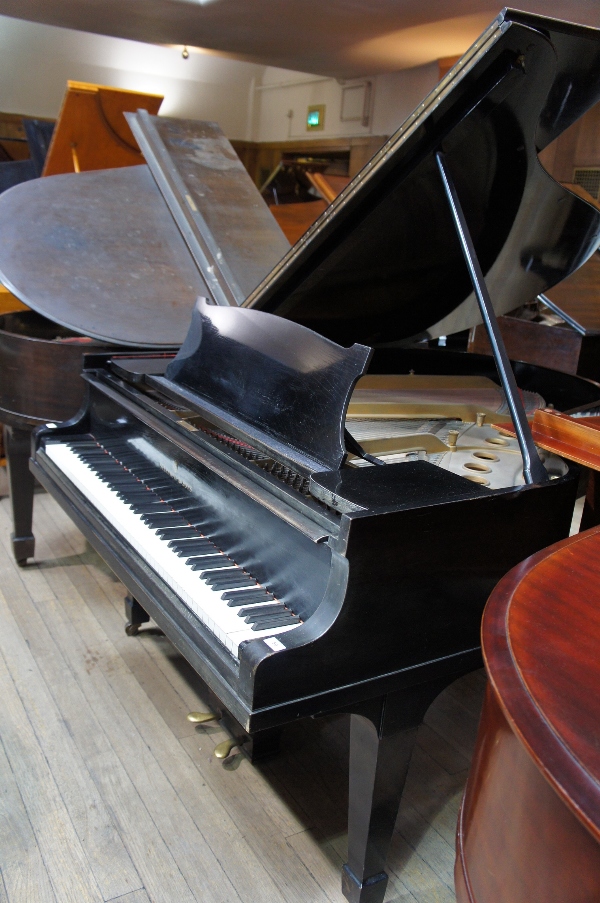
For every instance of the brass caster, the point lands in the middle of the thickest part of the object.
(132, 629)
(202, 717)
(223, 750)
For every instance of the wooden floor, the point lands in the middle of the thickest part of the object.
(107, 793)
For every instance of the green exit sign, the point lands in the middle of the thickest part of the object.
(315, 117)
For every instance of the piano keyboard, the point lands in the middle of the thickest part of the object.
(162, 520)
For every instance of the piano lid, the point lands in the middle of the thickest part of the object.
(107, 253)
(383, 263)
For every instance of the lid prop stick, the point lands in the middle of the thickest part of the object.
(533, 469)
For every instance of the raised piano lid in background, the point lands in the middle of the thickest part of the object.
(99, 252)
(91, 131)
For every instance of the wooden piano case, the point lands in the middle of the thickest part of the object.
(529, 826)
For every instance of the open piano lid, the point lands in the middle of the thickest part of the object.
(383, 264)
(122, 254)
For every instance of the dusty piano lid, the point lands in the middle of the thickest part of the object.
(383, 264)
(102, 252)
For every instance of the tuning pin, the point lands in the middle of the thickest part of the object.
(480, 418)
(452, 437)
(223, 749)
(202, 717)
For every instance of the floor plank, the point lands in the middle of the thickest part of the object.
(146, 789)
(64, 858)
(25, 879)
(105, 852)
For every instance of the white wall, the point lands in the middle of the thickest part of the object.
(36, 61)
(394, 97)
(248, 101)
(397, 94)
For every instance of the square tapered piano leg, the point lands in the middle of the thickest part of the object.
(382, 738)
(17, 443)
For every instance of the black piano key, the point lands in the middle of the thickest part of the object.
(136, 491)
(168, 533)
(249, 610)
(237, 598)
(155, 486)
(189, 503)
(180, 544)
(173, 497)
(185, 532)
(166, 519)
(138, 495)
(190, 548)
(207, 562)
(104, 466)
(139, 507)
(275, 621)
(226, 579)
(193, 515)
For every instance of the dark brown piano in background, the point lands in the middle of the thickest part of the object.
(560, 329)
(129, 264)
(313, 540)
(300, 189)
(40, 362)
(32, 152)
(529, 825)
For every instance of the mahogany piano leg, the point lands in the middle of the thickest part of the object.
(135, 614)
(381, 745)
(17, 444)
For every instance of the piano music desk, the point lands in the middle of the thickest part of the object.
(113, 794)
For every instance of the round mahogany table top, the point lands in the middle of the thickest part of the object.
(541, 644)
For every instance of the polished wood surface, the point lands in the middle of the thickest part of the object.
(92, 132)
(560, 347)
(529, 827)
(41, 369)
(9, 302)
(577, 439)
(295, 219)
(579, 295)
(578, 146)
(41, 382)
(261, 158)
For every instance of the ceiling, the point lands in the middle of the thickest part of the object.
(340, 38)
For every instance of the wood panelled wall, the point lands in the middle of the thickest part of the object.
(578, 146)
(261, 158)
(12, 137)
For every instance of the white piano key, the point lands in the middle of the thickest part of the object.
(201, 599)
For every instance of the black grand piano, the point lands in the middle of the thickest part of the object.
(310, 503)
